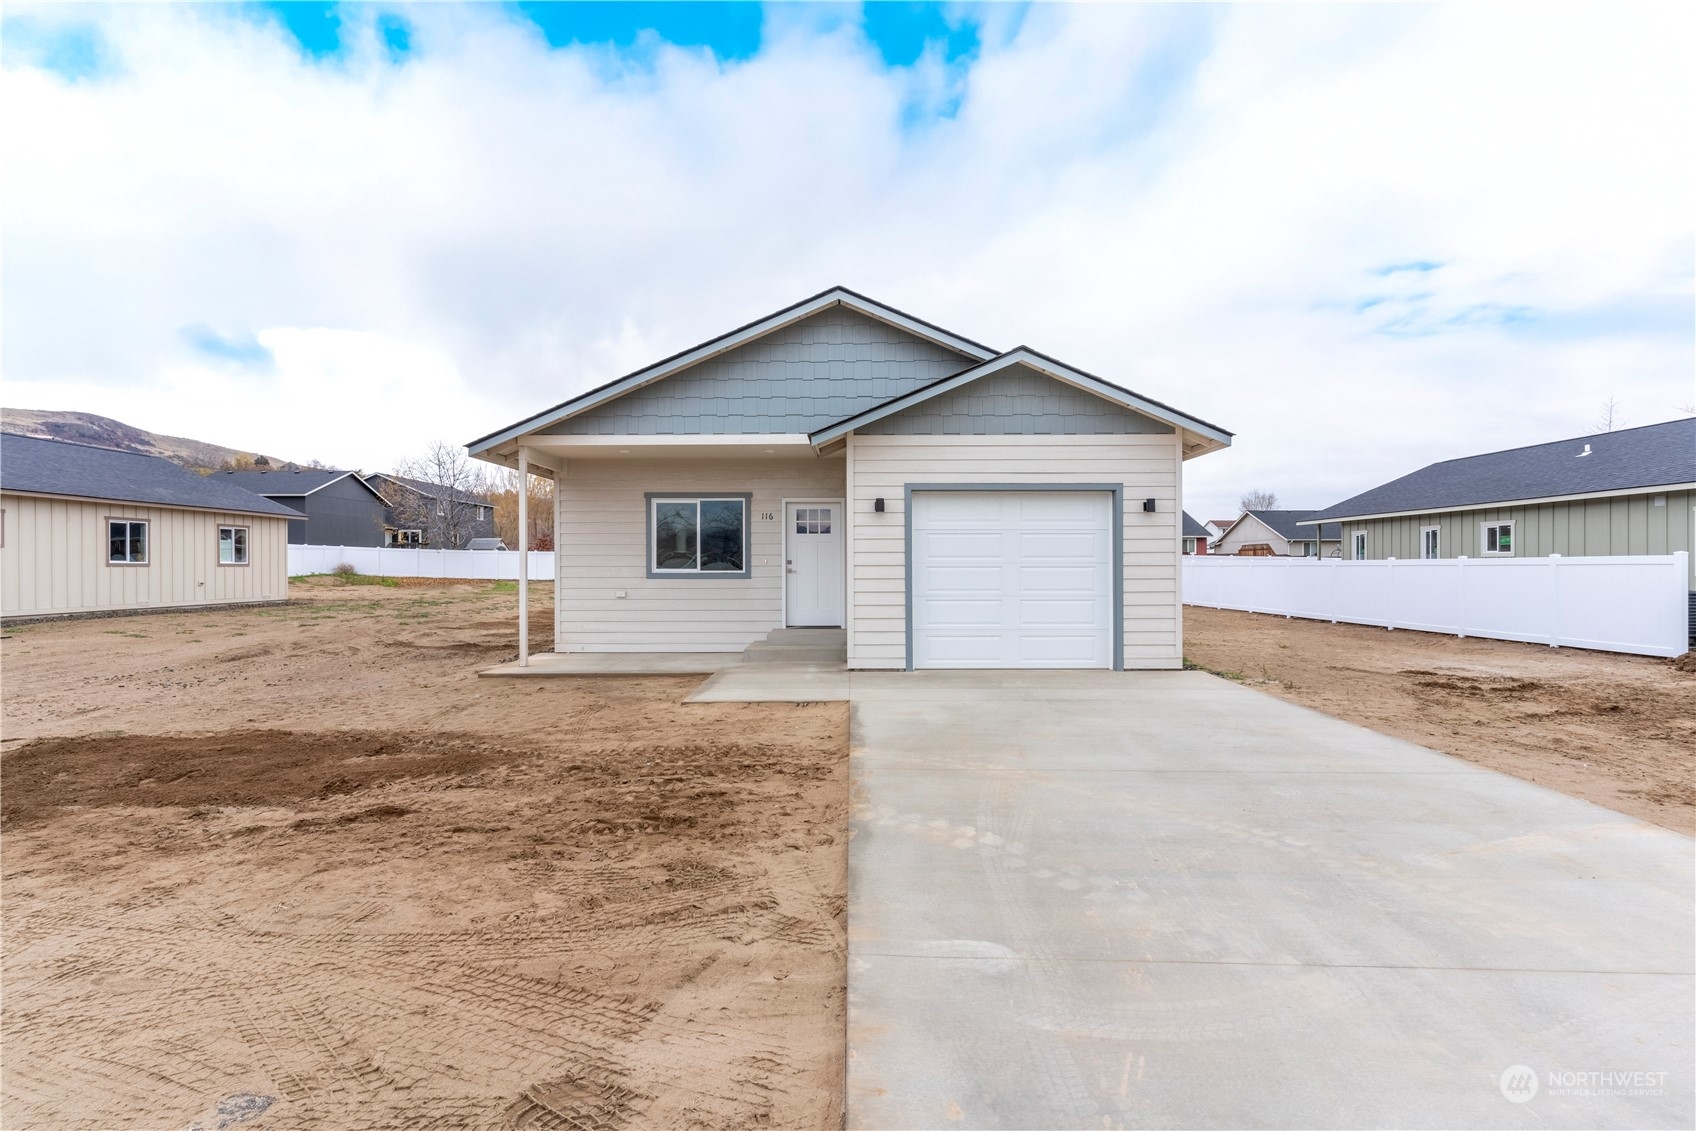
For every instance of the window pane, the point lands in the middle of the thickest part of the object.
(1506, 539)
(241, 545)
(138, 541)
(674, 536)
(226, 545)
(721, 534)
(118, 532)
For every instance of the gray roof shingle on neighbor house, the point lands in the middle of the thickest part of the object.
(288, 483)
(1194, 529)
(53, 467)
(1654, 455)
(1284, 522)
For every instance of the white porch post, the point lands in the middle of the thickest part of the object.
(523, 556)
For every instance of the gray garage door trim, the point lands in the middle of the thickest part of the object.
(1116, 490)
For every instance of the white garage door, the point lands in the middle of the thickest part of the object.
(1015, 579)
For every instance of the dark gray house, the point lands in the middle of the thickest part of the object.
(429, 514)
(337, 508)
(1627, 492)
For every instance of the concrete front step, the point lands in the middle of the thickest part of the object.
(799, 646)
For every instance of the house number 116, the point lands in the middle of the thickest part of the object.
(768, 516)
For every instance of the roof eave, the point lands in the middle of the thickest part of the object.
(1538, 501)
(1211, 436)
(659, 370)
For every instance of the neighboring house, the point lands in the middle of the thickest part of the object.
(428, 514)
(1279, 534)
(85, 530)
(1216, 528)
(1624, 492)
(842, 464)
(335, 508)
(485, 544)
(1196, 536)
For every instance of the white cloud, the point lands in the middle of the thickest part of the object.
(1189, 201)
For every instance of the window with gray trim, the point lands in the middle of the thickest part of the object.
(696, 535)
(232, 545)
(126, 542)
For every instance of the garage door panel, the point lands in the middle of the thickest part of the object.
(1067, 544)
(1061, 507)
(1012, 579)
(941, 580)
(986, 615)
(1037, 615)
(1076, 651)
(965, 650)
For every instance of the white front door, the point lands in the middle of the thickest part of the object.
(1015, 579)
(812, 551)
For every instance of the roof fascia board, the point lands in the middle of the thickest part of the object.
(683, 440)
(1048, 367)
(806, 308)
(34, 494)
(1647, 489)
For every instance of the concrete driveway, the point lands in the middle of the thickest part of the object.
(1163, 900)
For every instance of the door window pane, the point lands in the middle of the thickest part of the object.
(675, 535)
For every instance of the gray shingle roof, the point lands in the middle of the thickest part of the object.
(1284, 522)
(1655, 455)
(1194, 529)
(286, 483)
(53, 467)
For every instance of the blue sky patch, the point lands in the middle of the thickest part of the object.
(76, 52)
(731, 30)
(242, 349)
(1417, 265)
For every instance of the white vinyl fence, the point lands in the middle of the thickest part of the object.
(397, 561)
(1623, 604)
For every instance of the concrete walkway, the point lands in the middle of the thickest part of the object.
(1163, 900)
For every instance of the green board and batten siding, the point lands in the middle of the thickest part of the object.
(1625, 524)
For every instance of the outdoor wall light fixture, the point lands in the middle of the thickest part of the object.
(1148, 504)
(877, 505)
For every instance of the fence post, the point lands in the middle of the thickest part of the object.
(1390, 594)
(1555, 634)
(1460, 586)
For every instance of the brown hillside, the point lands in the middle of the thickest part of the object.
(103, 431)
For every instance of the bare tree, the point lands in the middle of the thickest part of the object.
(1258, 501)
(1610, 417)
(503, 493)
(446, 498)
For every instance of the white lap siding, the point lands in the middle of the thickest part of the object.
(601, 549)
(56, 550)
(1146, 466)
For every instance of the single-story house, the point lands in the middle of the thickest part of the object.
(840, 463)
(1196, 536)
(87, 530)
(429, 514)
(333, 508)
(1625, 492)
(1279, 534)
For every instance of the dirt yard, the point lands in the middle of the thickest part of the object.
(1616, 730)
(299, 867)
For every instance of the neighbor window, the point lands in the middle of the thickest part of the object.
(406, 537)
(1310, 549)
(698, 535)
(232, 545)
(126, 542)
(1430, 542)
(1189, 545)
(1359, 545)
(1498, 538)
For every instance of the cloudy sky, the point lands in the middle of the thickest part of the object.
(1362, 237)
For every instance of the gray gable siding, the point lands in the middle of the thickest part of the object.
(798, 379)
(1017, 401)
